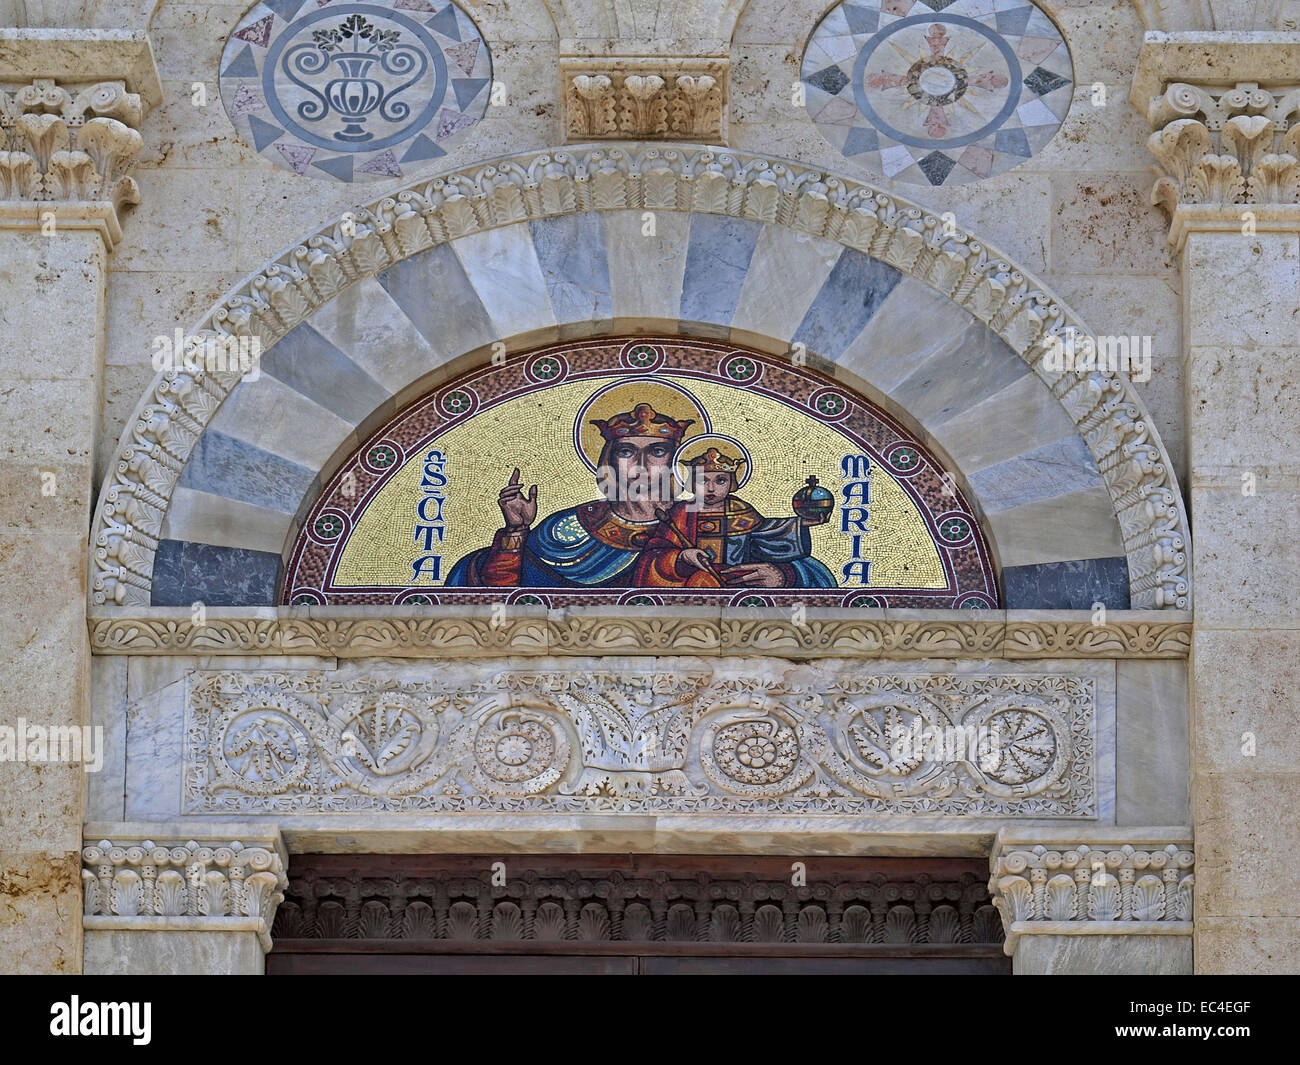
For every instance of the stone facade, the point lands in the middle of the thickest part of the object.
(789, 182)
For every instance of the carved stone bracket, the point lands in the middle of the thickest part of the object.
(68, 139)
(646, 98)
(430, 632)
(170, 881)
(1120, 882)
(1218, 142)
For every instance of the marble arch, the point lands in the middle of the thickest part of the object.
(477, 227)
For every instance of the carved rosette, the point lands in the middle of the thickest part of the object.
(1076, 884)
(183, 878)
(1220, 145)
(166, 426)
(69, 144)
(646, 99)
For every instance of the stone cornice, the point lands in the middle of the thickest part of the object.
(1104, 406)
(1113, 881)
(1214, 58)
(432, 632)
(151, 877)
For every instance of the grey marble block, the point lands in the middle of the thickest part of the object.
(225, 466)
(717, 261)
(1103, 955)
(435, 293)
(855, 289)
(571, 251)
(308, 363)
(185, 573)
(1073, 585)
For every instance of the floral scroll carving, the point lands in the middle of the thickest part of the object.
(690, 740)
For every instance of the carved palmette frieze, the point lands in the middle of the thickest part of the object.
(645, 99)
(689, 740)
(69, 143)
(1221, 145)
(1098, 882)
(437, 633)
(1103, 405)
(666, 902)
(181, 879)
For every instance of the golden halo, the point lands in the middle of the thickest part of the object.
(697, 445)
(622, 396)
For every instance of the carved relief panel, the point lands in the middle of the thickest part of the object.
(671, 735)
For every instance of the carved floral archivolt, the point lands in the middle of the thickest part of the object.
(807, 739)
(1107, 412)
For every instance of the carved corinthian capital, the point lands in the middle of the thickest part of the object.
(645, 98)
(1223, 110)
(70, 116)
(129, 881)
(1119, 881)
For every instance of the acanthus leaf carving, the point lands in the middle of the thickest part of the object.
(1224, 145)
(80, 143)
(1078, 883)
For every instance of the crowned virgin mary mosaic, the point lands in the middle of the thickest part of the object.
(637, 472)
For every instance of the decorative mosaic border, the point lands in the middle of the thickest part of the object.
(970, 582)
(1104, 406)
(443, 633)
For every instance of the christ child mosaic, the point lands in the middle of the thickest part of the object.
(638, 471)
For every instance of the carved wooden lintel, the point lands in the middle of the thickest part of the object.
(650, 98)
(583, 903)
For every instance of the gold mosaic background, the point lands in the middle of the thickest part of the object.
(535, 433)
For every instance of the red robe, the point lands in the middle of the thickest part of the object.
(682, 527)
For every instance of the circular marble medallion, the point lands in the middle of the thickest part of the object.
(937, 92)
(354, 91)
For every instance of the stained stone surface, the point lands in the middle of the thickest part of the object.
(1102, 955)
(937, 92)
(355, 92)
(175, 951)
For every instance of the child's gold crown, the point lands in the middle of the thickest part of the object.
(714, 461)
